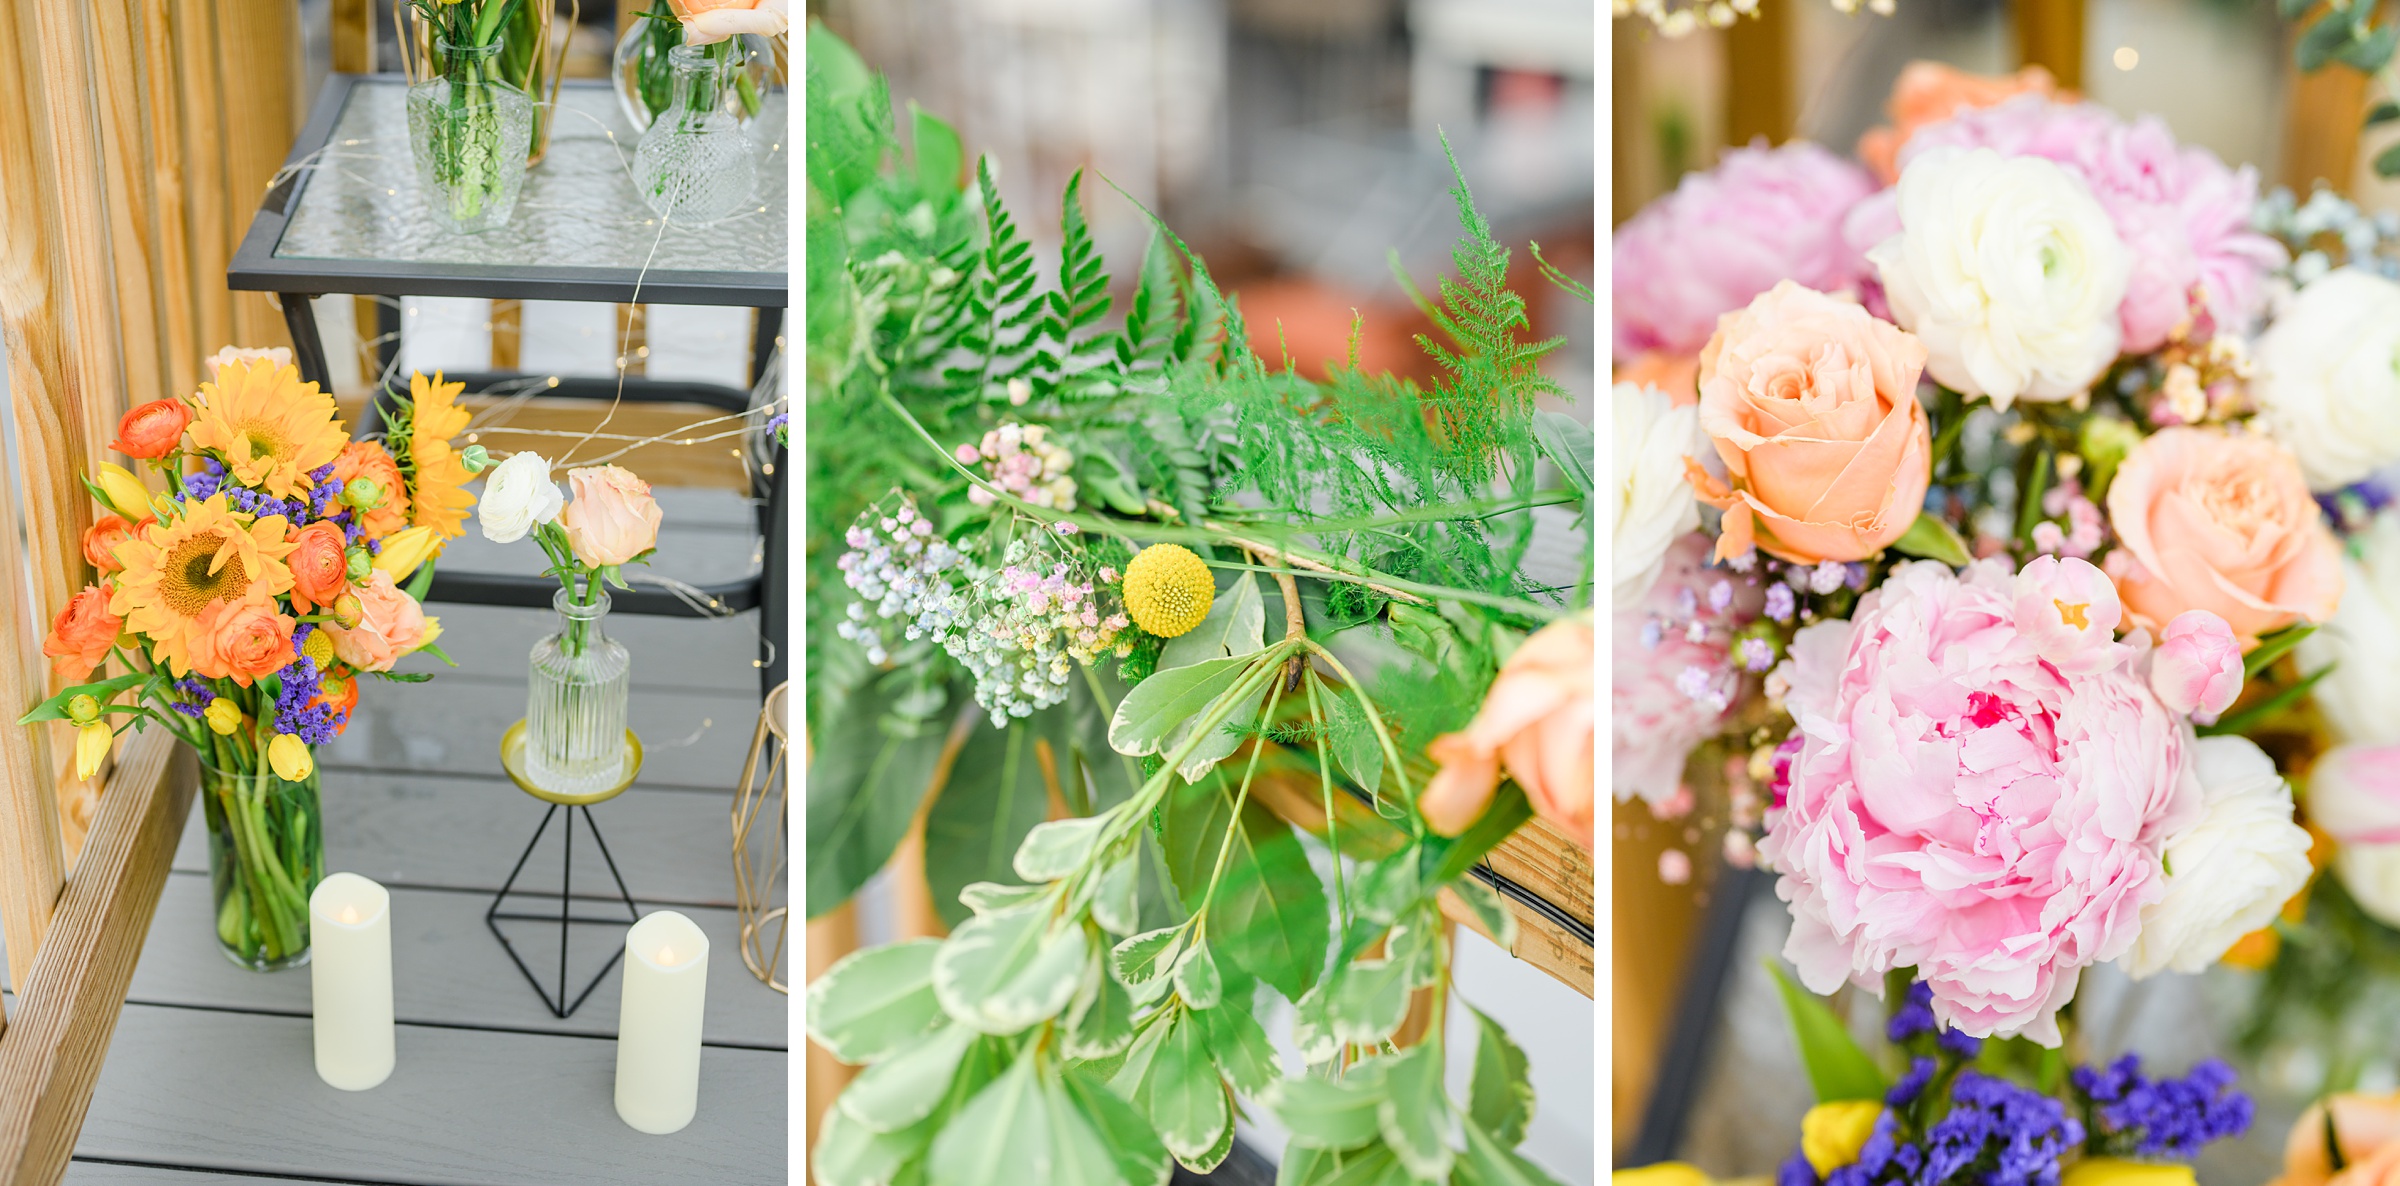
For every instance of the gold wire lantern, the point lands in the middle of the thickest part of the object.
(754, 884)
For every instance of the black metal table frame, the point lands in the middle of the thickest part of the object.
(299, 280)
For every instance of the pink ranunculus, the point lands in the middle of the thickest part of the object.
(1762, 216)
(390, 624)
(613, 518)
(1668, 690)
(1962, 805)
(2198, 664)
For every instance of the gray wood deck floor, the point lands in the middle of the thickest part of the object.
(210, 1080)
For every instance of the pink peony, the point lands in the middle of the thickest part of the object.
(1671, 675)
(1963, 805)
(2198, 664)
(1763, 215)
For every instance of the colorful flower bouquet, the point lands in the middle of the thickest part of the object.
(284, 563)
(1986, 543)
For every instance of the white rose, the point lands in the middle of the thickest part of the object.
(2009, 270)
(517, 495)
(2328, 380)
(2361, 699)
(2354, 794)
(1654, 501)
(2231, 871)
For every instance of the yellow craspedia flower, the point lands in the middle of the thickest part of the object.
(1832, 1134)
(1168, 590)
(2116, 1171)
(1665, 1173)
(290, 757)
(318, 649)
(223, 715)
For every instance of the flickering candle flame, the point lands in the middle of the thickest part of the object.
(666, 955)
(350, 915)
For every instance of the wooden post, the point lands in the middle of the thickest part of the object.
(208, 223)
(2050, 35)
(2323, 114)
(1758, 77)
(176, 286)
(261, 38)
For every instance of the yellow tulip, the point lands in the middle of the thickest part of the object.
(1832, 1134)
(2116, 1171)
(433, 630)
(223, 716)
(91, 746)
(123, 492)
(407, 551)
(1665, 1173)
(290, 757)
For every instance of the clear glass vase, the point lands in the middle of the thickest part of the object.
(645, 78)
(266, 853)
(696, 163)
(470, 130)
(575, 706)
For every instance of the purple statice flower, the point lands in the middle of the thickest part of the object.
(211, 466)
(1796, 1171)
(1854, 575)
(1883, 1159)
(780, 425)
(200, 486)
(296, 710)
(192, 695)
(321, 473)
(1914, 1017)
(1964, 1045)
(1781, 603)
(2168, 1117)
(1912, 1084)
(374, 547)
(2013, 1135)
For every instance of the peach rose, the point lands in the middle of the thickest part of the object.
(100, 540)
(320, 566)
(390, 624)
(81, 635)
(2367, 1129)
(613, 518)
(366, 459)
(1676, 374)
(1812, 402)
(1930, 92)
(152, 430)
(242, 642)
(2220, 523)
(1538, 722)
(706, 22)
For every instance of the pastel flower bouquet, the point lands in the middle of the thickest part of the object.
(1995, 547)
(241, 608)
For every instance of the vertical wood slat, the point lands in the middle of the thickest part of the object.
(2323, 112)
(169, 217)
(201, 90)
(1759, 84)
(118, 81)
(2050, 35)
(258, 40)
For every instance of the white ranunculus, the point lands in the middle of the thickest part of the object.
(2328, 380)
(2230, 871)
(2361, 698)
(517, 495)
(2354, 794)
(2009, 270)
(1654, 501)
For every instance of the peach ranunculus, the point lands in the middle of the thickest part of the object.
(1930, 92)
(390, 624)
(2366, 1128)
(706, 22)
(2221, 523)
(152, 430)
(1676, 374)
(612, 519)
(320, 565)
(81, 635)
(241, 642)
(1538, 721)
(100, 540)
(367, 459)
(1812, 403)
(278, 356)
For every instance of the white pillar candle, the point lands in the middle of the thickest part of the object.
(658, 1023)
(350, 980)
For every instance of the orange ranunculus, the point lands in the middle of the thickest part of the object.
(345, 703)
(100, 540)
(1812, 403)
(320, 566)
(367, 459)
(390, 624)
(1538, 722)
(709, 21)
(2367, 1130)
(613, 518)
(2221, 523)
(152, 430)
(242, 642)
(1676, 374)
(1930, 92)
(81, 635)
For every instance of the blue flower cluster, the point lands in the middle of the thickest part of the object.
(296, 710)
(1914, 1018)
(192, 697)
(1995, 1134)
(263, 505)
(2166, 1117)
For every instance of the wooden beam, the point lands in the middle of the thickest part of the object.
(67, 1009)
(169, 217)
(2050, 35)
(126, 157)
(354, 36)
(2323, 115)
(260, 114)
(199, 85)
(1759, 81)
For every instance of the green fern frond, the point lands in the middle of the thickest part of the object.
(1154, 317)
(1005, 311)
(1076, 307)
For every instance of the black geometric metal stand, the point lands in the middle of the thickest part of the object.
(566, 917)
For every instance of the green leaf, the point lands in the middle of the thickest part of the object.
(875, 1001)
(1196, 979)
(1489, 1161)
(2330, 35)
(1082, 1156)
(1269, 917)
(2369, 54)
(1054, 849)
(1490, 910)
(1241, 1048)
(1116, 902)
(2387, 162)
(2268, 709)
(1161, 708)
(1146, 959)
(1369, 1001)
(906, 1087)
(1508, 811)
(1235, 626)
(1567, 442)
(2292, 10)
(1837, 1068)
(1414, 1115)
(2274, 646)
(871, 770)
(1499, 1096)
(850, 1154)
(1170, 1080)
(2383, 112)
(988, 897)
(55, 708)
(1208, 1162)
(1933, 539)
(1312, 1023)
(1004, 1137)
(1331, 1113)
(1001, 973)
(1141, 1160)
(994, 798)
(1354, 744)
(941, 163)
(1100, 1020)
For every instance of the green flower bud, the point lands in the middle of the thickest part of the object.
(362, 493)
(359, 564)
(83, 709)
(475, 459)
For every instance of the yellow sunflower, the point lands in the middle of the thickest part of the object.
(176, 569)
(441, 500)
(270, 427)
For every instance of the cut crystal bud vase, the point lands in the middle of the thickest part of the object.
(266, 854)
(470, 131)
(696, 163)
(575, 707)
(645, 76)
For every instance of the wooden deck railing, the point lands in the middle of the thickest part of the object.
(135, 137)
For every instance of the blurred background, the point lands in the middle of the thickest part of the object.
(1704, 1067)
(1298, 147)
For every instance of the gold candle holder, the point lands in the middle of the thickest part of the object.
(753, 883)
